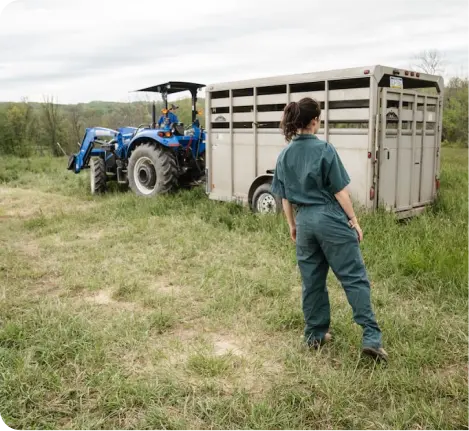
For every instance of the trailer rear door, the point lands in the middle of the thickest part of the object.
(408, 148)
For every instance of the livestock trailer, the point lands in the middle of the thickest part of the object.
(384, 122)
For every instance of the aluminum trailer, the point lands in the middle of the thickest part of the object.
(385, 123)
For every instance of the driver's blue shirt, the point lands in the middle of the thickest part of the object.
(172, 119)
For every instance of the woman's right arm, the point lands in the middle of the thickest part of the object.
(337, 181)
(345, 202)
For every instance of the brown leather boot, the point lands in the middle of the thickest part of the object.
(377, 354)
(316, 344)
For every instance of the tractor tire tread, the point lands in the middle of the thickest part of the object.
(165, 163)
(98, 171)
(168, 172)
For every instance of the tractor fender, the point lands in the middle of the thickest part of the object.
(261, 179)
(151, 136)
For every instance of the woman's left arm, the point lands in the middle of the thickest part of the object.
(278, 189)
(288, 210)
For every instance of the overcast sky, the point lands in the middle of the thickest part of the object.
(84, 50)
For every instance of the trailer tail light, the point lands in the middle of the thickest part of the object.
(406, 73)
(367, 72)
(417, 75)
(369, 154)
(372, 193)
(437, 183)
(412, 73)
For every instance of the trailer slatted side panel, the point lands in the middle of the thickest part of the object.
(255, 120)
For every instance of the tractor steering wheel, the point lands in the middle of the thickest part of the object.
(141, 126)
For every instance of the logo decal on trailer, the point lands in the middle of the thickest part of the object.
(396, 82)
(392, 116)
(220, 118)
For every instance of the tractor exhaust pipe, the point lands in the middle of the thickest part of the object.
(153, 116)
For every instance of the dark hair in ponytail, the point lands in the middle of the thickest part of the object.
(297, 115)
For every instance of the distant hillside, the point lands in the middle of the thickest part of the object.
(94, 109)
(31, 127)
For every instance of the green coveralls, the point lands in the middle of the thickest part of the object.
(308, 174)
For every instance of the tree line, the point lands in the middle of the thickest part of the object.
(31, 128)
(28, 128)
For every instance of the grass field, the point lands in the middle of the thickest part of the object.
(180, 312)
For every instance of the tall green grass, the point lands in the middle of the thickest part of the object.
(180, 312)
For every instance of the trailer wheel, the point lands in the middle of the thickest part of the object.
(152, 170)
(98, 176)
(264, 201)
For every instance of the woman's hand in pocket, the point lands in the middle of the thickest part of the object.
(293, 233)
(359, 232)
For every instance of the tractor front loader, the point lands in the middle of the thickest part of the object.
(103, 151)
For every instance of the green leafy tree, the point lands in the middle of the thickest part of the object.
(18, 130)
(455, 112)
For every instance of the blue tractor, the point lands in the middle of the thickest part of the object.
(151, 159)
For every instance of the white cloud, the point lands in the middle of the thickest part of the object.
(101, 49)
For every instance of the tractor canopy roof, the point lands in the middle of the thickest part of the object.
(174, 87)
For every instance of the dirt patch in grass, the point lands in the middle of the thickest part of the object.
(224, 344)
(450, 371)
(166, 286)
(91, 234)
(47, 286)
(29, 248)
(23, 203)
(223, 357)
(104, 298)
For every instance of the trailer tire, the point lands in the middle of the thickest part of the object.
(98, 176)
(265, 202)
(152, 170)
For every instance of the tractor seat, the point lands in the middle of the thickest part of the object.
(179, 129)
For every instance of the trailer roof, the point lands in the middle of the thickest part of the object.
(378, 71)
(171, 87)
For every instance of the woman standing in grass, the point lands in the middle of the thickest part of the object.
(310, 175)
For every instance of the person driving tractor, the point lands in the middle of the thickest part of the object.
(172, 117)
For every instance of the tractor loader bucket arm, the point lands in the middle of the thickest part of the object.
(80, 160)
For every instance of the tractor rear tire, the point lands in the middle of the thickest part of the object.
(152, 170)
(98, 176)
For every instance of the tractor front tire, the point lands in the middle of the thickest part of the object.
(152, 170)
(98, 176)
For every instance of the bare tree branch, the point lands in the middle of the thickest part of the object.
(75, 117)
(51, 114)
(430, 61)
